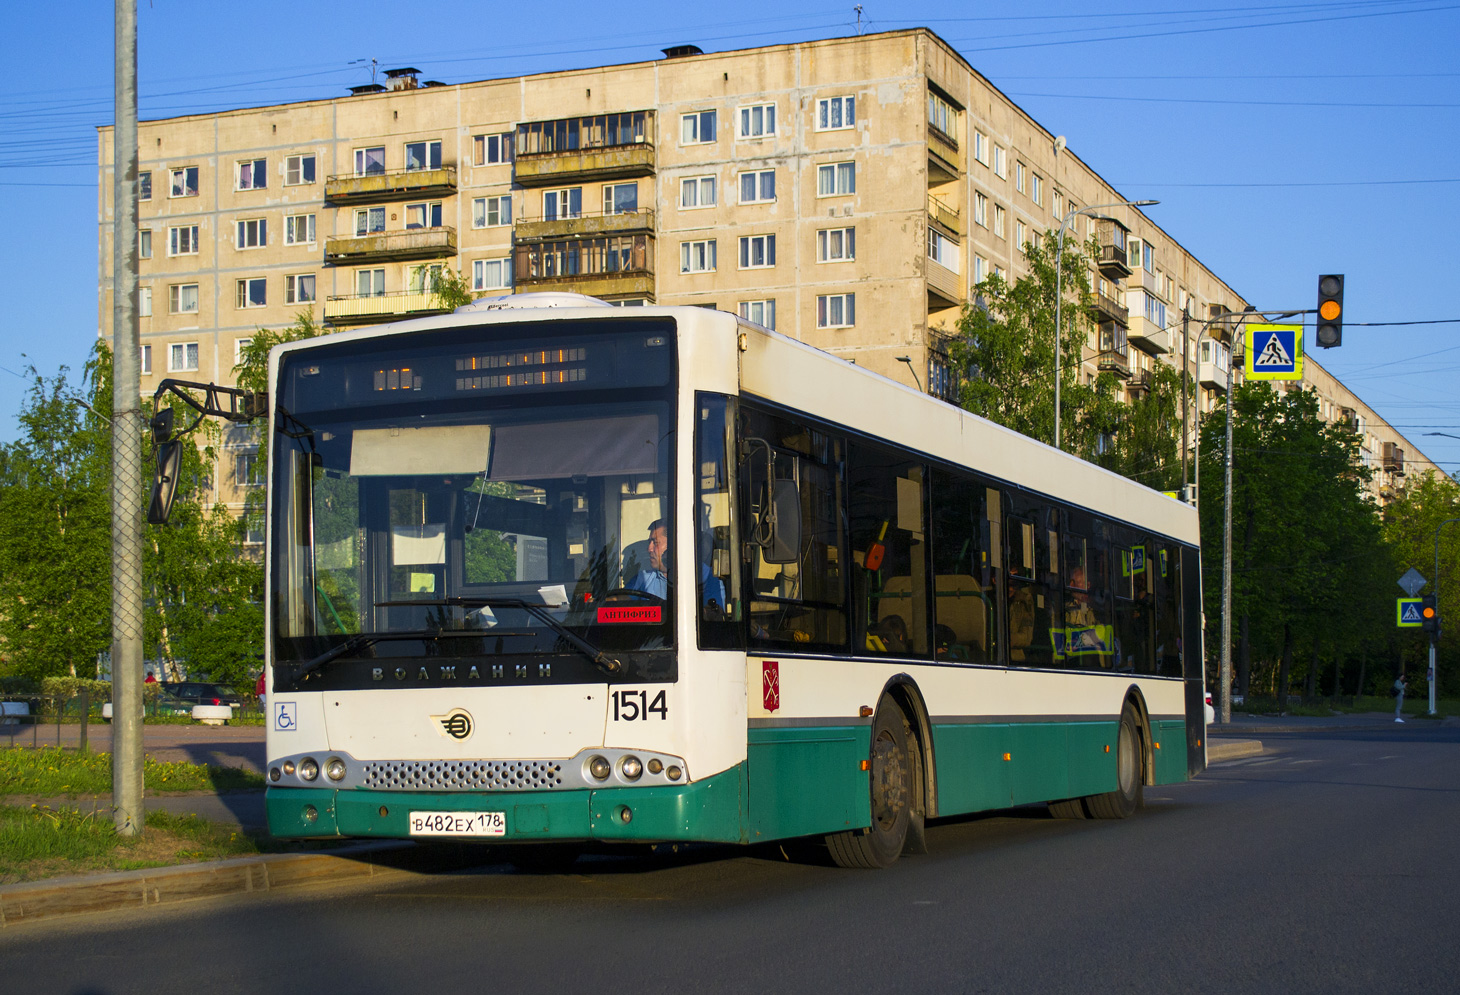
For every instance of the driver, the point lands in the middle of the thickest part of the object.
(655, 580)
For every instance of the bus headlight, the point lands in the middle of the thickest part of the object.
(308, 769)
(334, 769)
(631, 767)
(600, 768)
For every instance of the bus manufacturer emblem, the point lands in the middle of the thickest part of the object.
(455, 723)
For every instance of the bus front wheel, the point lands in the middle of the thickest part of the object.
(891, 766)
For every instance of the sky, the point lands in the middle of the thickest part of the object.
(1284, 140)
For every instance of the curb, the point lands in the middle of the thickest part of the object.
(1232, 749)
(57, 897)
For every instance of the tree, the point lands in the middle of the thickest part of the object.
(1411, 524)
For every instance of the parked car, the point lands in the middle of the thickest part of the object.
(201, 693)
(1211, 712)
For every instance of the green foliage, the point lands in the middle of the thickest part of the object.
(66, 688)
(1004, 352)
(50, 772)
(453, 289)
(1310, 569)
(1412, 522)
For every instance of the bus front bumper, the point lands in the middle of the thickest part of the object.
(706, 810)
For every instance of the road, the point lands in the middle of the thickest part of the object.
(1326, 865)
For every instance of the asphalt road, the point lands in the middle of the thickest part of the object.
(1326, 865)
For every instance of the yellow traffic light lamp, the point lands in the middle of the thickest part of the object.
(1330, 310)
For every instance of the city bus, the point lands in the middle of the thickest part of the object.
(548, 571)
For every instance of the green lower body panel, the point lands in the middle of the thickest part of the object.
(1171, 756)
(994, 765)
(805, 781)
(708, 809)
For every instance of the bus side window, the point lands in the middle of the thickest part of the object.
(717, 582)
(965, 561)
(889, 552)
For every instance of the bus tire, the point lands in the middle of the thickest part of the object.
(1129, 773)
(1071, 808)
(890, 785)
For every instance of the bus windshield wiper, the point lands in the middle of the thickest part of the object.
(600, 659)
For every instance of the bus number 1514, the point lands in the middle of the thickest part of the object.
(631, 706)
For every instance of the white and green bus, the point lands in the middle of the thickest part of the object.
(545, 571)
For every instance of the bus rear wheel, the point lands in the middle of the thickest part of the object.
(891, 767)
(1129, 773)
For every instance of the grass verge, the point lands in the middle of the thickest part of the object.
(38, 842)
(53, 771)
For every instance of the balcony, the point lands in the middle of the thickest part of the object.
(944, 215)
(1147, 336)
(570, 150)
(369, 309)
(1104, 308)
(945, 287)
(1140, 381)
(1212, 376)
(1393, 459)
(375, 188)
(945, 159)
(391, 246)
(1111, 235)
(1114, 362)
(617, 266)
(586, 226)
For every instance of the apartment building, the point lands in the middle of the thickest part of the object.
(847, 192)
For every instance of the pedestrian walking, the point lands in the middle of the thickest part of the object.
(1400, 684)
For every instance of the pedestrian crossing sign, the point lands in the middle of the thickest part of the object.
(1409, 613)
(1274, 352)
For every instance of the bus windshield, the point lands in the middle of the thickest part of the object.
(474, 492)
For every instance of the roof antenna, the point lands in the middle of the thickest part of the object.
(858, 9)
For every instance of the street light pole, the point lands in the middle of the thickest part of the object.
(1059, 295)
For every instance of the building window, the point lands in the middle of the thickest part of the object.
(253, 233)
(144, 186)
(369, 220)
(999, 220)
(942, 115)
(423, 215)
(491, 212)
(697, 191)
(185, 182)
(697, 128)
(423, 155)
(250, 292)
(836, 179)
(298, 169)
(758, 187)
(370, 282)
(248, 471)
(941, 381)
(836, 311)
(370, 162)
(562, 204)
(980, 209)
(424, 278)
(942, 249)
(253, 174)
(836, 113)
(239, 345)
(1021, 234)
(980, 269)
(182, 357)
(183, 298)
(1148, 257)
(491, 274)
(1057, 205)
(488, 150)
(1019, 182)
(1001, 163)
(757, 251)
(761, 312)
(981, 147)
(147, 352)
(620, 198)
(299, 288)
(144, 243)
(299, 229)
(1036, 188)
(182, 241)
(834, 245)
(1155, 310)
(757, 121)
(697, 257)
(144, 309)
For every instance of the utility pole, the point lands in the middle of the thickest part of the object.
(127, 813)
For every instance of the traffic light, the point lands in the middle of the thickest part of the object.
(1330, 310)
(1429, 614)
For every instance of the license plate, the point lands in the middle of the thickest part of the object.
(458, 823)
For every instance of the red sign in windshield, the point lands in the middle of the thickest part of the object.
(636, 613)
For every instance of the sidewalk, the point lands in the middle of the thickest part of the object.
(1244, 724)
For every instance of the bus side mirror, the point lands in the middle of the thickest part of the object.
(164, 481)
(784, 545)
(161, 425)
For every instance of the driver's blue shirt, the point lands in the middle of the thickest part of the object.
(655, 582)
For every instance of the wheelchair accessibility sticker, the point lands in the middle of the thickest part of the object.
(285, 717)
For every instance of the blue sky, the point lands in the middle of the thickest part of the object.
(1283, 140)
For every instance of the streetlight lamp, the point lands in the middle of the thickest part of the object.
(1059, 291)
